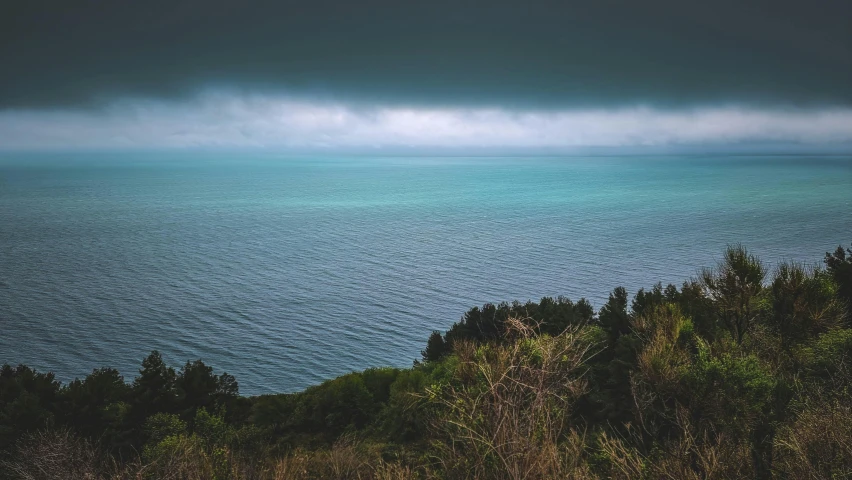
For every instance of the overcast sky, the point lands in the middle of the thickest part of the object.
(347, 74)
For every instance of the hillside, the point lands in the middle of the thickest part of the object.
(742, 372)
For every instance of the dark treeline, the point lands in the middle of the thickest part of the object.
(738, 373)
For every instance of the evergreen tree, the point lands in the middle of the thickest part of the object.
(154, 391)
(435, 347)
(839, 266)
(736, 286)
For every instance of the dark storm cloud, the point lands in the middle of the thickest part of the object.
(58, 53)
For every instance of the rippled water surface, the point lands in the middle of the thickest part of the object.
(285, 271)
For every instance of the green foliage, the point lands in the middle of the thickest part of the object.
(839, 265)
(613, 315)
(335, 406)
(804, 303)
(489, 323)
(197, 387)
(160, 426)
(436, 347)
(212, 428)
(378, 382)
(28, 401)
(405, 418)
(695, 304)
(95, 405)
(322, 413)
(827, 362)
(726, 377)
(154, 388)
(736, 288)
(646, 301)
(733, 392)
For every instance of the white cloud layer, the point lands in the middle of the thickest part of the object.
(232, 120)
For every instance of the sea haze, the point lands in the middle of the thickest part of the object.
(285, 271)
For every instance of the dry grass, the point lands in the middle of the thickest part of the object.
(58, 455)
(695, 454)
(624, 461)
(507, 419)
(61, 455)
(818, 444)
(700, 453)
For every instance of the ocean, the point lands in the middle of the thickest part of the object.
(288, 270)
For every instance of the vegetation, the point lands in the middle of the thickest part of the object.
(739, 373)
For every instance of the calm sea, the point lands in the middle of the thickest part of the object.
(286, 271)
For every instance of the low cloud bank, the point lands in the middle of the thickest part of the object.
(241, 120)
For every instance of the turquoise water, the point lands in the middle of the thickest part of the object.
(285, 271)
